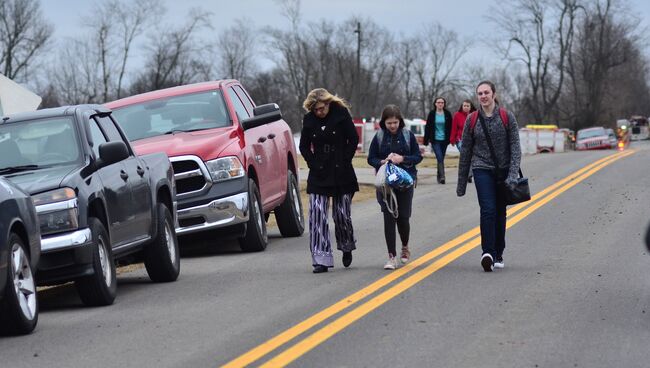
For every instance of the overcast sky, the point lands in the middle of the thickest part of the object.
(466, 17)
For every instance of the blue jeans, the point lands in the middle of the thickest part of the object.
(439, 149)
(493, 212)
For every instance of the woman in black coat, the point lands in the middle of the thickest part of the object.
(437, 131)
(327, 143)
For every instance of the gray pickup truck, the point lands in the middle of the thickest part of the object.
(96, 201)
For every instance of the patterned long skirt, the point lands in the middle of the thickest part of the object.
(319, 234)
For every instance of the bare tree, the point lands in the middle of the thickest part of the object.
(406, 60)
(435, 71)
(24, 35)
(540, 37)
(131, 19)
(236, 47)
(604, 44)
(176, 56)
(76, 77)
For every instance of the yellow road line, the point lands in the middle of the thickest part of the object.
(291, 333)
(342, 322)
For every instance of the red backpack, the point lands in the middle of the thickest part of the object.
(474, 116)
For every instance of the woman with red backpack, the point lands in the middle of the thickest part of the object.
(490, 148)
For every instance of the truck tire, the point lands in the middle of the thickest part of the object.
(161, 256)
(19, 305)
(255, 239)
(99, 288)
(289, 215)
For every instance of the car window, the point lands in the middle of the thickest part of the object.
(97, 135)
(189, 112)
(108, 127)
(239, 106)
(584, 134)
(245, 99)
(45, 142)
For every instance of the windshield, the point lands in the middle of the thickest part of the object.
(198, 111)
(584, 134)
(33, 144)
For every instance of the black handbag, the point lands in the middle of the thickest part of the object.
(512, 194)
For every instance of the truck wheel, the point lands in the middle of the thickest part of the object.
(161, 256)
(289, 215)
(255, 239)
(19, 306)
(99, 288)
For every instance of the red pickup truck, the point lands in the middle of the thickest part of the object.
(234, 162)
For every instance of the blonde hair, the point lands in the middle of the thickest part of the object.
(322, 95)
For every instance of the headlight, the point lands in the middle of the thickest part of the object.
(57, 210)
(225, 168)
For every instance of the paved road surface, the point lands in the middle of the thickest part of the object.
(574, 293)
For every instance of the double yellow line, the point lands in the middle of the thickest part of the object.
(460, 245)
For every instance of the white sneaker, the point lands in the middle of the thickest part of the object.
(391, 264)
(499, 263)
(487, 262)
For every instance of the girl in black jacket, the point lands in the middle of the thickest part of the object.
(327, 143)
(437, 131)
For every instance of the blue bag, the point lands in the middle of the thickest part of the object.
(398, 178)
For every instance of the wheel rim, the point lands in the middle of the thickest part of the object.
(24, 284)
(258, 215)
(296, 202)
(171, 243)
(104, 263)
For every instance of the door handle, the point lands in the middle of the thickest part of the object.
(124, 175)
(140, 171)
(262, 139)
(271, 136)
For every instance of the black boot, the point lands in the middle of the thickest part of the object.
(438, 173)
(320, 269)
(347, 259)
(441, 173)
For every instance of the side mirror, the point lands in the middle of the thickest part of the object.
(112, 152)
(262, 114)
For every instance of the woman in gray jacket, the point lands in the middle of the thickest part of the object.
(475, 154)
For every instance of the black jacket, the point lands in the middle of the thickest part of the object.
(328, 146)
(429, 133)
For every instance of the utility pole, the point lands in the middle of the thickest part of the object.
(357, 79)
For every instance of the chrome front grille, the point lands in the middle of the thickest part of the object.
(191, 175)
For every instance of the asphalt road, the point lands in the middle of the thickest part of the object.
(575, 291)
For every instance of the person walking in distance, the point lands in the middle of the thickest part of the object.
(398, 145)
(437, 131)
(491, 125)
(328, 142)
(457, 125)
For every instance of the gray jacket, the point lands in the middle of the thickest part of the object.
(475, 152)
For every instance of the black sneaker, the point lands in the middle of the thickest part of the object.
(347, 259)
(486, 262)
(498, 263)
(320, 269)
